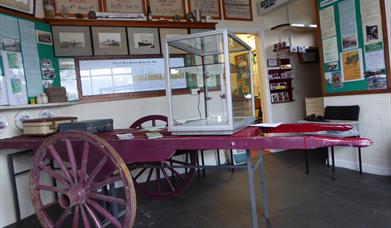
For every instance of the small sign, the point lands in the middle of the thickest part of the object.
(266, 6)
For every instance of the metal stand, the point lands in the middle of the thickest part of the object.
(251, 169)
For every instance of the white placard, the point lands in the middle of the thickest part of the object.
(266, 6)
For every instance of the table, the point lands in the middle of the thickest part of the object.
(140, 149)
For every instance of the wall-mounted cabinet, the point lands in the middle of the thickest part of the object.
(280, 75)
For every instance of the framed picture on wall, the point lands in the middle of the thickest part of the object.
(109, 41)
(167, 8)
(237, 10)
(143, 41)
(124, 6)
(72, 40)
(166, 33)
(71, 7)
(25, 6)
(207, 7)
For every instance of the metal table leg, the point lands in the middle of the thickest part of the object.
(251, 169)
(252, 190)
(263, 189)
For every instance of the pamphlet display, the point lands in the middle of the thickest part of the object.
(353, 48)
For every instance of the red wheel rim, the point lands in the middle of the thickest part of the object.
(84, 165)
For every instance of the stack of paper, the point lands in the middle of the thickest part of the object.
(126, 136)
(153, 135)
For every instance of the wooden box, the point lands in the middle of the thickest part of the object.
(45, 126)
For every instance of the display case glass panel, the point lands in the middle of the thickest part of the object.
(220, 92)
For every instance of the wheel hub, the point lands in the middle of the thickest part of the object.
(72, 197)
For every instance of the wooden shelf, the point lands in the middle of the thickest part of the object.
(130, 23)
(32, 106)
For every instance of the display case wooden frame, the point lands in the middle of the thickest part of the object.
(13, 5)
(244, 17)
(179, 4)
(118, 96)
(217, 17)
(116, 43)
(123, 9)
(58, 4)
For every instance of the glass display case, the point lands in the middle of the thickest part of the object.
(217, 69)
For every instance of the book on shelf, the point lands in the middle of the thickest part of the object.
(153, 135)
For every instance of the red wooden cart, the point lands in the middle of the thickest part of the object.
(88, 166)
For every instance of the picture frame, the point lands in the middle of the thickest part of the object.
(67, 8)
(44, 37)
(27, 7)
(124, 6)
(72, 41)
(168, 32)
(167, 8)
(237, 10)
(210, 8)
(143, 41)
(109, 40)
(272, 63)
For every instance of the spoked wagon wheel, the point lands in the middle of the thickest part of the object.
(167, 178)
(84, 166)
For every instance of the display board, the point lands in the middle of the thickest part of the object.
(354, 52)
(27, 62)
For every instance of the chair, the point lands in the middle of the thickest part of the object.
(343, 113)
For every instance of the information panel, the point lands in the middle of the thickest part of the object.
(354, 51)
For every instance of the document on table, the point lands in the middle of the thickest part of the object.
(266, 125)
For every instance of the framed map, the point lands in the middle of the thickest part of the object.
(72, 7)
(207, 7)
(124, 6)
(167, 8)
(237, 10)
(24, 6)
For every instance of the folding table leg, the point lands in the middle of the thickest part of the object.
(307, 169)
(264, 190)
(252, 190)
(359, 160)
(332, 164)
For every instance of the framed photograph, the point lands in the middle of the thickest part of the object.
(192, 31)
(44, 37)
(72, 41)
(272, 63)
(71, 7)
(237, 10)
(207, 7)
(274, 97)
(167, 8)
(109, 41)
(166, 33)
(24, 6)
(124, 6)
(143, 41)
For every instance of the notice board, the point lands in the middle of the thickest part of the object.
(27, 61)
(354, 48)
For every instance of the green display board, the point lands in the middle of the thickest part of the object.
(38, 57)
(354, 50)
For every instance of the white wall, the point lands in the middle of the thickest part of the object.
(126, 111)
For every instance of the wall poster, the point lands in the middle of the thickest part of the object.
(354, 52)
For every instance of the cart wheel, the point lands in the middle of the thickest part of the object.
(165, 179)
(84, 166)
